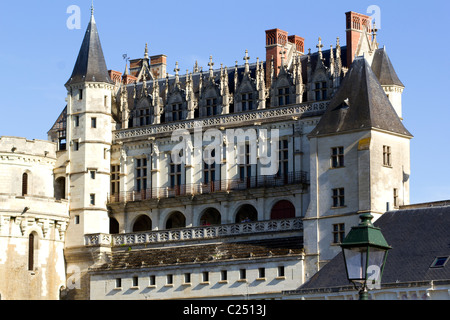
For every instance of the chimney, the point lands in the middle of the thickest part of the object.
(158, 66)
(115, 76)
(276, 39)
(356, 24)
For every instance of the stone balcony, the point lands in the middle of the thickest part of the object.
(161, 237)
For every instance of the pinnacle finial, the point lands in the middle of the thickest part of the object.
(92, 8)
(146, 51)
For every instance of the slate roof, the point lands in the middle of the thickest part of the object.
(142, 258)
(90, 64)
(383, 69)
(417, 236)
(360, 104)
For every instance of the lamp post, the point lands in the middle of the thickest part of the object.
(365, 251)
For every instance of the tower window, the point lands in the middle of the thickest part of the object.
(92, 174)
(93, 122)
(387, 157)
(80, 94)
(338, 233)
(24, 184)
(77, 121)
(92, 199)
(31, 246)
(337, 157)
(338, 197)
(396, 198)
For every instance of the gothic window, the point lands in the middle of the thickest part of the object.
(247, 102)
(177, 112)
(338, 197)
(143, 117)
(211, 107)
(141, 174)
(24, 184)
(283, 96)
(338, 233)
(337, 157)
(387, 157)
(320, 90)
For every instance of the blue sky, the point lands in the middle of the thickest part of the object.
(38, 52)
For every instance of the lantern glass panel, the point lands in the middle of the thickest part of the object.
(355, 259)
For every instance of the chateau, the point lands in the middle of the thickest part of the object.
(279, 158)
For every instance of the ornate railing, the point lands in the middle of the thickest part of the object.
(194, 233)
(299, 177)
(238, 118)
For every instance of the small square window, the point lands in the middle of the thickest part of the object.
(92, 199)
(261, 273)
(76, 146)
(338, 233)
(187, 278)
(118, 283)
(242, 274)
(77, 219)
(135, 281)
(223, 275)
(205, 276)
(338, 197)
(281, 271)
(152, 281)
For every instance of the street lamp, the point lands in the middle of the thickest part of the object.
(365, 251)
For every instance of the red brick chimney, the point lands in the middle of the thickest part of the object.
(158, 66)
(356, 23)
(276, 39)
(115, 76)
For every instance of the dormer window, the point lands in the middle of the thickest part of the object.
(144, 117)
(211, 107)
(247, 101)
(321, 90)
(177, 112)
(283, 96)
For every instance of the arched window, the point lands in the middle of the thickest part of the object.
(210, 217)
(32, 241)
(143, 223)
(113, 226)
(176, 220)
(24, 184)
(282, 210)
(246, 213)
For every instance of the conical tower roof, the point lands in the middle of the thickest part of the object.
(360, 104)
(90, 65)
(383, 69)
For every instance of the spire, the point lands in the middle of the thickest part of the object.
(246, 58)
(90, 65)
(146, 51)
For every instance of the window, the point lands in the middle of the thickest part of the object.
(175, 175)
(245, 167)
(24, 184)
(209, 170)
(338, 197)
(337, 157)
(242, 274)
(31, 246)
(143, 117)
(76, 146)
(223, 275)
(261, 273)
(283, 96)
(141, 174)
(280, 271)
(177, 112)
(118, 283)
(92, 174)
(247, 101)
(92, 199)
(152, 280)
(169, 279)
(105, 101)
(115, 179)
(80, 94)
(338, 233)
(135, 282)
(77, 219)
(283, 158)
(439, 262)
(211, 107)
(321, 90)
(93, 122)
(77, 121)
(187, 278)
(387, 161)
(205, 276)
(396, 198)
